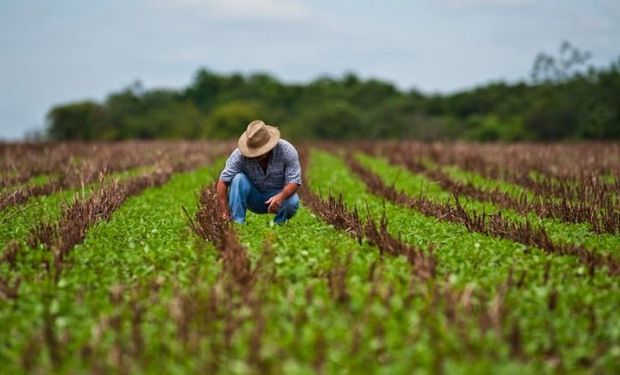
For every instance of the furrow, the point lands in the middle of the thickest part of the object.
(56, 239)
(601, 217)
(145, 250)
(82, 164)
(489, 224)
(333, 211)
(470, 258)
(560, 231)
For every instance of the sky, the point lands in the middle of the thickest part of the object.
(54, 52)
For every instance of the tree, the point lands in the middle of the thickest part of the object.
(229, 120)
(175, 120)
(204, 90)
(337, 120)
(563, 100)
(553, 69)
(74, 121)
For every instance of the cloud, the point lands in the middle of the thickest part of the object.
(496, 4)
(248, 10)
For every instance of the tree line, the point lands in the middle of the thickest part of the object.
(563, 100)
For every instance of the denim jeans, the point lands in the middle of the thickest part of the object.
(243, 195)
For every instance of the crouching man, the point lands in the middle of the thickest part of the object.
(262, 175)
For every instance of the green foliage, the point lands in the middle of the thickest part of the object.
(75, 121)
(564, 100)
(174, 121)
(229, 120)
(144, 294)
(146, 243)
(482, 262)
(337, 120)
(17, 221)
(492, 128)
(414, 185)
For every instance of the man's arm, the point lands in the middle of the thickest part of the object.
(292, 177)
(233, 166)
(222, 198)
(276, 201)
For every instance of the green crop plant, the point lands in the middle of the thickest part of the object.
(576, 233)
(146, 241)
(334, 290)
(469, 258)
(364, 311)
(17, 221)
(38, 180)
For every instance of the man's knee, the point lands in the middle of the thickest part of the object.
(240, 179)
(240, 183)
(291, 204)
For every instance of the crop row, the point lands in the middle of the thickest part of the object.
(516, 161)
(28, 160)
(416, 184)
(355, 282)
(111, 311)
(601, 214)
(62, 319)
(57, 238)
(333, 211)
(360, 289)
(73, 165)
(490, 224)
(587, 173)
(471, 258)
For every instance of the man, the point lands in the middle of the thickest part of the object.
(262, 175)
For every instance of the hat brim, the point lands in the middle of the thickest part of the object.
(274, 137)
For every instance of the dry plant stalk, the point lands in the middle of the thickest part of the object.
(494, 224)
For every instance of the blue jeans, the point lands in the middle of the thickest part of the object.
(243, 195)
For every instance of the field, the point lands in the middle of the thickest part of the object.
(441, 258)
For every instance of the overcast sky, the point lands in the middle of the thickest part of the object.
(64, 50)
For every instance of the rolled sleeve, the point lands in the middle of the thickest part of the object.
(292, 173)
(233, 166)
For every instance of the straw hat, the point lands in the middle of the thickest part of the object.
(258, 139)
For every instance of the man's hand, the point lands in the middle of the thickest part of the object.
(222, 198)
(274, 203)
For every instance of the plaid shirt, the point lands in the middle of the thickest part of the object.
(283, 168)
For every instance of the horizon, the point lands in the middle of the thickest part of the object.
(69, 51)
